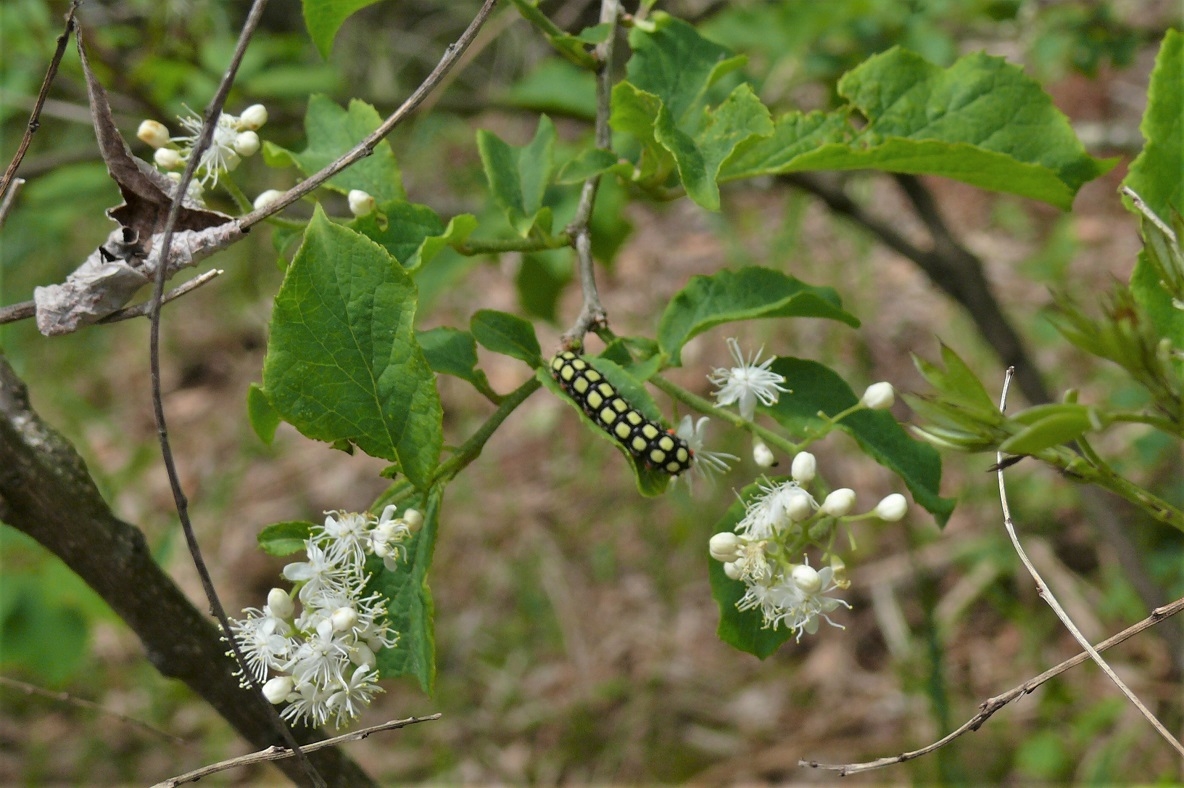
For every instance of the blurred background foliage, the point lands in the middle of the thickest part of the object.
(575, 625)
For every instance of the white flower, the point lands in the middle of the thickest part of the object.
(319, 573)
(307, 704)
(803, 468)
(154, 133)
(796, 601)
(279, 604)
(892, 508)
(747, 383)
(347, 534)
(278, 689)
(879, 396)
(839, 502)
(351, 694)
(724, 546)
(220, 156)
(706, 462)
(762, 455)
(168, 159)
(262, 642)
(770, 512)
(246, 143)
(252, 118)
(267, 199)
(360, 203)
(388, 537)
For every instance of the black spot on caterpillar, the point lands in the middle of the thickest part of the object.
(651, 443)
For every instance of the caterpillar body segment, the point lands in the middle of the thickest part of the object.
(653, 444)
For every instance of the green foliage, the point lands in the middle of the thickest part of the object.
(506, 334)
(450, 351)
(324, 18)
(747, 294)
(413, 234)
(332, 131)
(342, 361)
(518, 177)
(285, 538)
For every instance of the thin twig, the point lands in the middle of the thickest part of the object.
(209, 121)
(278, 753)
(592, 315)
(991, 705)
(141, 310)
(34, 118)
(82, 703)
(366, 146)
(1046, 594)
(9, 198)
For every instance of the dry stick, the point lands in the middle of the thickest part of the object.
(34, 118)
(65, 697)
(366, 146)
(9, 199)
(592, 315)
(145, 308)
(991, 705)
(213, 111)
(1046, 594)
(279, 753)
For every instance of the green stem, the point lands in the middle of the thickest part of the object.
(1158, 422)
(1099, 472)
(500, 245)
(471, 449)
(236, 194)
(708, 407)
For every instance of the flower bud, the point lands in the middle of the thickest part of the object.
(839, 502)
(413, 519)
(762, 455)
(279, 603)
(246, 143)
(343, 618)
(803, 468)
(363, 655)
(360, 203)
(806, 578)
(154, 133)
(724, 546)
(733, 571)
(839, 569)
(267, 199)
(879, 396)
(168, 159)
(892, 508)
(253, 117)
(278, 689)
(799, 505)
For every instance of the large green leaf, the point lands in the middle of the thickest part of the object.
(323, 19)
(331, 132)
(412, 233)
(507, 334)
(816, 389)
(981, 121)
(518, 176)
(746, 294)
(451, 351)
(342, 361)
(411, 610)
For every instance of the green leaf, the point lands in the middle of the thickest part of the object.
(323, 18)
(742, 629)
(1157, 174)
(815, 389)
(741, 117)
(981, 121)
(651, 482)
(459, 228)
(264, 418)
(1048, 426)
(285, 538)
(507, 334)
(342, 362)
(413, 233)
(518, 176)
(331, 132)
(411, 611)
(746, 294)
(571, 47)
(636, 112)
(450, 351)
(592, 161)
(672, 61)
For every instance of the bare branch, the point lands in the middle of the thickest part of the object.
(278, 753)
(991, 705)
(9, 198)
(34, 118)
(144, 309)
(1046, 594)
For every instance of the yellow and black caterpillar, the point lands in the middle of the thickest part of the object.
(651, 443)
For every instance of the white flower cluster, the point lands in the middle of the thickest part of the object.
(234, 138)
(322, 661)
(777, 525)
